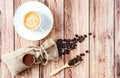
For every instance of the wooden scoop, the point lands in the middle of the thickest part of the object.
(63, 67)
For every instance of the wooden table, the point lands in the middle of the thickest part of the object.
(101, 17)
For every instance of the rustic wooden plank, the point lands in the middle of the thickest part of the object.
(34, 74)
(20, 42)
(56, 6)
(7, 33)
(77, 22)
(0, 37)
(41, 66)
(43, 1)
(117, 38)
(102, 46)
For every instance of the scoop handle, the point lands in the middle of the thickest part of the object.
(59, 69)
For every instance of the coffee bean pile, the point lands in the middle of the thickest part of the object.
(77, 59)
(66, 45)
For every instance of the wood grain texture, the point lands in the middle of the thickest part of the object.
(101, 17)
(77, 22)
(102, 46)
(117, 38)
(7, 33)
(20, 42)
(56, 7)
(0, 37)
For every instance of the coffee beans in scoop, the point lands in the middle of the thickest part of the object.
(66, 45)
(75, 60)
(78, 58)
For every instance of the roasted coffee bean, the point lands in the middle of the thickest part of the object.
(71, 62)
(90, 33)
(74, 39)
(65, 40)
(75, 44)
(85, 35)
(80, 37)
(81, 59)
(87, 51)
(79, 41)
(82, 54)
(76, 35)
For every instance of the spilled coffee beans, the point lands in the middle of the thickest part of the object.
(66, 45)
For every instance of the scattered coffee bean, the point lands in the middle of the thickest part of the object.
(87, 51)
(82, 54)
(85, 35)
(81, 59)
(76, 35)
(90, 33)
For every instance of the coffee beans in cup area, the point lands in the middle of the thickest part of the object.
(66, 45)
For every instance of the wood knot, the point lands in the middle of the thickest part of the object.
(101, 60)
(108, 36)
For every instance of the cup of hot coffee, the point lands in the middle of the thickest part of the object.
(32, 21)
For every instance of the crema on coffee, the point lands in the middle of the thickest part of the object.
(32, 20)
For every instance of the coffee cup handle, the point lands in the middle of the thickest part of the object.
(41, 30)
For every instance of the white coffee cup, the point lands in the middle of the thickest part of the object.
(32, 21)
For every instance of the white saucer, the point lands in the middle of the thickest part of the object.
(44, 12)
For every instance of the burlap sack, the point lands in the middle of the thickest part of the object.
(14, 61)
